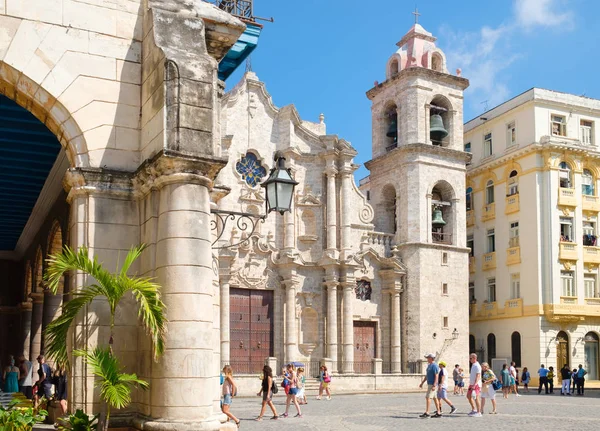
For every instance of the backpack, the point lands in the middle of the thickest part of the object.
(285, 382)
(496, 385)
(274, 388)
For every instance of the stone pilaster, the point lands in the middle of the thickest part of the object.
(26, 308)
(52, 309)
(36, 324)
(345, 211)
(348, 321)
(392, 285)
(331, 173)
(225, 260)
(291, 332)
(331, 283)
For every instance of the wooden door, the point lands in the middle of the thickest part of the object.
(562, 350)
(365, 346)
(251, 329)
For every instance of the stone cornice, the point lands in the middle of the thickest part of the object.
(424, 149)
(37, 297)
(95, 181)
(26, 306)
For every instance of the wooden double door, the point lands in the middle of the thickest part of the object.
(365, 346)
(251, 329)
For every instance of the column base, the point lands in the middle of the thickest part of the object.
(217, 422)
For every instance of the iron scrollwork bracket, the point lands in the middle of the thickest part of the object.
(243, 222)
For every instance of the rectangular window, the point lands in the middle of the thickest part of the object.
(590, 286)
(511, 134)
(564, 176)
(589, 233)
(487, 145)
(567, 279)
(566, 229)
(491, 287)
(515, 286)
(445, 322)
(491, 240)
(587, 184)
(444, 258)
(444, 288)
(472, 292)
(559, 125)
(368, 195)
(513, 235)
(471, 245)
(586, 128)
(468, 147)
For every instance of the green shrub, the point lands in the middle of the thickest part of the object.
(15, 418)
(78, 421)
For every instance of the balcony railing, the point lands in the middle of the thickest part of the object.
(567, 251)
(512, 204)
(238, 8)
(567, 197)
(380, 242)
(470, 218)
(591, 254)
(441, 238)
(489, 261)
(489, 212)
(568, 300)
(513, 255)
(513, 242)
(590, 203)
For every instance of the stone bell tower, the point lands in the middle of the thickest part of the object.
(417, 188)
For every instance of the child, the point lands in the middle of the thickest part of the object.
(229, 391)
(301, 379)
(525, 378)
(461, 381)
(551, 379)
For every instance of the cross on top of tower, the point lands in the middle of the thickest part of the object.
(416, 14)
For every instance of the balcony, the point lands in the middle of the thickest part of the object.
(514, 307)
(567, 251)
(489, 212)
(592, 301)
(512, 204)
(568, 300)
(567, 197)
(472, 264)
(470, 218)
(590, 203)
(591, 254)
(513, 255)
(489, 261)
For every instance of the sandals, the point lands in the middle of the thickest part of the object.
(285, 415)
(258, 419)
(238, 424)
(275, 417)
(299, 415)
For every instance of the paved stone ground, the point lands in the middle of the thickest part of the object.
(373, 412)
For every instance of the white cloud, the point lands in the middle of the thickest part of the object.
(546, 13)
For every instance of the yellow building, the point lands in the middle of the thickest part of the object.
(532, 212)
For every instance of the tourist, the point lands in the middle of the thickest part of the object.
(573, 379)
(514, 378)
(565, 375)
(442, 393)
(474, 389)
(580, 379)
(455, 374)
(505, 377)
(229, 391)
(285, 381)
(461, 381)
(37, 391)
(60, 390)
(543, 373)
(26, 381)
(45, 379)
(431, 376)
(291, 396)
(324, 381)
(301, 380)
(266, 390)
(11, 377)
(526, 378)
(550, 378)
(487, 389)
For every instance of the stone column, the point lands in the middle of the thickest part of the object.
(36, 324)
(291, 332)
(52, 309)
(290, 233)
(348, 339)
(224, 277)
(331, 210)
(346, 210)
(25, 308)
(395, 343)
(332, 331)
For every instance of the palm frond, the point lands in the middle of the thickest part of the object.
(56, 332)
(69, 260)
(151, 308)
(131, 257)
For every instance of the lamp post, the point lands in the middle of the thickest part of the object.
(279, 191)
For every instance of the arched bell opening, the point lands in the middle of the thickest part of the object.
(442, 213)
(440, 121)
(387, 220)
(391, 127)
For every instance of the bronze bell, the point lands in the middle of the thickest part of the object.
(436, 219)
(436, 128)
(392, 131)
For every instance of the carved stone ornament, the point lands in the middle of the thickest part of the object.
(363, 290)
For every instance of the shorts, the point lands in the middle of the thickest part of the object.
(442, 394)
(45, 390)
(456, 383)
(300, 393)
(293, 391)
(512, 381)
(266, 396)
(489, 393)
(324, 385)
(227, 400)
(461, 384)
(474, 388)
(431, 393)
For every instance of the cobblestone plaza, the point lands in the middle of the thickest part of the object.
(374, 412)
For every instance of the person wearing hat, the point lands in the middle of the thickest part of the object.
(431, 376)
(442, 393)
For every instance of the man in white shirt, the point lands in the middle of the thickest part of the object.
(26, 382)
(512, 371)
(474, 387)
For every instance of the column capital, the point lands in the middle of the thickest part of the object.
(26, 306)
(331, 171)
(290, 282)
(91, 181)
(348, 285)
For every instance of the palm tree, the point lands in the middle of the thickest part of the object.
(112, 287)
(115, 386)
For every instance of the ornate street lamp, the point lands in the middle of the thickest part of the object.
(279, 191)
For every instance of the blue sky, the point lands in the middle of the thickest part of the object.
(323, 55)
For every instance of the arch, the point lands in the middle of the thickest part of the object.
(437, 62)
(394, 64)
(562, 350)
(489, 192)
(440, 110)
(387, 220)
(515, 348)
(442, 206)
(39, 269)
(55, 246)
(588, 182)
(390, 123)
(28, 281)
(445, 189)
(591, 355)
(491, 347)
(30, 95)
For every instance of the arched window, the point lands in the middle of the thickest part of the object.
(440, 121)
(513, 183)
(394, 68)
(515, 348)
(469, 198)
(590, 350)
(491, 348)
(565, 175)
(388, 210)
(587, 183)
(391, 127)
(437, 62)
(489, 192)
(442, 225)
